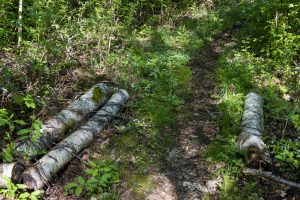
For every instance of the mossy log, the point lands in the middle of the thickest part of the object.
(250, 140)
(54, 129)
(13, 171)
(37, 176)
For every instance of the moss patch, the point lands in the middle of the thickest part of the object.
(97, 95)
(141, 184)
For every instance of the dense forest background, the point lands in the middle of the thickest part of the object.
(53, 50)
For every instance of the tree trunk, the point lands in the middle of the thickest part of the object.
(12, 171)
(252, 130)
(36, 177)
(20, 25)
(54, 129)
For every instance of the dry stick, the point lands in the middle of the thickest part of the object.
(54, 129)
(37, 176)
(252, 130)
(11, 171)
(271, 176)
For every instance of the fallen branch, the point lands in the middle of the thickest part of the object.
(12, 171)
(252, 130)
(54, 129)
(271, 176)
(37, 176)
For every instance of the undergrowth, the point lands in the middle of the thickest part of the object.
(263, 60)
(146, 48)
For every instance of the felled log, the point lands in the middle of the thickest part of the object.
(271, 176)
(37, 176)
(54, 129)
(12, 171)
(250, 139)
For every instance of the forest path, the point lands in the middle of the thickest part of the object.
(188, 174)
(183, 172)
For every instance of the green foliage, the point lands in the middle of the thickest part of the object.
(231, 191)
(264, 59)
(127, 42)
(8, 19)
(12, 128)
(157, 73)
(228, 184)
(286, 155)
(101, 178)
(224, 149)
(295, 118)
(18, 191)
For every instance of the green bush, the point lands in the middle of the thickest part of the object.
(101, 178)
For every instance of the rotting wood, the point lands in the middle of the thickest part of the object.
(54, 129)
(37, 176)
(271, 176)
(12, 171)
(252, 130)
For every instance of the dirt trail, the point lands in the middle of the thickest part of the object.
(188, 175)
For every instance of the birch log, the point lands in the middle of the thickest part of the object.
(252, 130)
(12, 171)
(37, 176)
(54, 129)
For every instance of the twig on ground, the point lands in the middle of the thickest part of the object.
(271, 176)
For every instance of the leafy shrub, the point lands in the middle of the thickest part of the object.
(101, 178)
(286, 154)
(18, 191)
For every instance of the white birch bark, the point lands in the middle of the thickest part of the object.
(37, 176)
(252, 129)
(20, 23)
(54, 129)
(12, 171)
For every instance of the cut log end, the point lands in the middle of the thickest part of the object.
(32, 178)
(12, 171)
(17, 172)
(255, 150)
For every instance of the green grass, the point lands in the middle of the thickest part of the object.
(155, 69)
(152, 61)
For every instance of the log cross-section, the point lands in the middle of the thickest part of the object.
(12, 171)
(250, 140)
(53, 130)
(37, 176)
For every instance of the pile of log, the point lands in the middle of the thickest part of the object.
(54, 130)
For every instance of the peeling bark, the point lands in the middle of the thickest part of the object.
(12, 171)
(36, 177)
(252, 130)
(54, 129)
